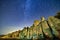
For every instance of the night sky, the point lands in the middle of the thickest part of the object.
(16, 14)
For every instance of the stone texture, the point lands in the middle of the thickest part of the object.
(36, 22)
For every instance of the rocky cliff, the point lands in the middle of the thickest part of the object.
(40, 29)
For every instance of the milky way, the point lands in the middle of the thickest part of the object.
(27, 8)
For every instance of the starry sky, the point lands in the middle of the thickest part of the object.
(16, 14)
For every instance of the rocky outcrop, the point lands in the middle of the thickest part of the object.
(39, 30)
(43, 28)
(36, 22)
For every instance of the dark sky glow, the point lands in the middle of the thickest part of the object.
(16, 14)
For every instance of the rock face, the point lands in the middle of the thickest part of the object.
(39, 30)
(42, 19)
(36, 22)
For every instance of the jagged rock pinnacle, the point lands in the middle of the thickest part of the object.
(36, 22)
(42, 18)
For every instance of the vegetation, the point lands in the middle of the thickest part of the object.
(57, 15)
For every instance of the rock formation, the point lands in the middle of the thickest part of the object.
(41, 29)
(36, 22)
